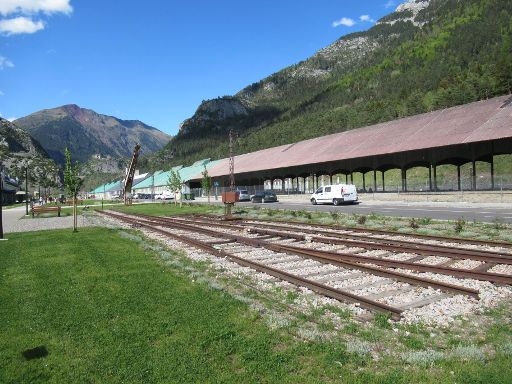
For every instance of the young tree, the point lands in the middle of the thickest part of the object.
(72, 183)
(206, 183)
(175, 183)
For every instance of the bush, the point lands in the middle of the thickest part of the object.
(459, 225)
(361, 220)
(425, 221)
(413, 223)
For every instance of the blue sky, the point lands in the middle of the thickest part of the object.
(155, 61)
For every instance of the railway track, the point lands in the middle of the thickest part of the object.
(327, 273)
(366, 231)
(489, 259)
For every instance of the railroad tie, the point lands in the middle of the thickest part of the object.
(423, 302)
(391, 292)
(377, 283)
(341, 278)
(484, 267)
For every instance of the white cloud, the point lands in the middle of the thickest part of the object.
(11, 119)
(34, 6)
(23, 14)
(366, 18)
(19, 25)
(5, 62)
(346, 21)
(389, 4)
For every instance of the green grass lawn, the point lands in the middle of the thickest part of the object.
(111, 309)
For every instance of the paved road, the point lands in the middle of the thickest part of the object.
(441, 211)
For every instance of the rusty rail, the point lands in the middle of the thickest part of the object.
(377, 243)
(323, 256)
(459, 240)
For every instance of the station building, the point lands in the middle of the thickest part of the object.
(470, 133)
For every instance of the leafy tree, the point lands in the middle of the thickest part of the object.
(72, 183)
(206, 182)
(175, 184)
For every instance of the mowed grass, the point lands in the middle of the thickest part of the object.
(107, 312)
(108, 309)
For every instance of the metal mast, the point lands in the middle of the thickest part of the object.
(128, 181)
(231, 162)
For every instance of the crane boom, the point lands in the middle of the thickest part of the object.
(128, 181)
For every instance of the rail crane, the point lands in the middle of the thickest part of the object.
(128, 181)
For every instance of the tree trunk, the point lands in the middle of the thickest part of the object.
(208, 196)
(74, 215)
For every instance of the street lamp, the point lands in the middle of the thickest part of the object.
(1, 201)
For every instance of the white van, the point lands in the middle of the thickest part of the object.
(335, 194)
(165, 195)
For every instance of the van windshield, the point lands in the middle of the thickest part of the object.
(319, 190)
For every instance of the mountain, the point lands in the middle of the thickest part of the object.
(87, 133)
(18, 151)
(425, 55)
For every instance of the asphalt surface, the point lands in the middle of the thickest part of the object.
(14, 220)
(439, 211)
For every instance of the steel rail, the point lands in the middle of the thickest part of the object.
(322, 289)
(329, 257)
(424, 251)
(460, 240)
(446, 270)
(378, 243)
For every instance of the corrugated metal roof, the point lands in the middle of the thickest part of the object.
(479, 121)
(105, 187)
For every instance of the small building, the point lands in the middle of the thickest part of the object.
(9, 189)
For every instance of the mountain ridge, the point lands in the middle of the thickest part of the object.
(87, 133)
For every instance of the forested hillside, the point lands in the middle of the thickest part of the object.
(424, 56)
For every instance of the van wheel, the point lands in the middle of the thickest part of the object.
(313, 201)
(335, 201)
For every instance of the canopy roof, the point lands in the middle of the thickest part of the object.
(469, 123)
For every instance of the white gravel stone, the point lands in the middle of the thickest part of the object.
(505, 269)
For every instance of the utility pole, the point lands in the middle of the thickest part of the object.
(26, 190)
(229, 198)
(1, 201)
(231, 163)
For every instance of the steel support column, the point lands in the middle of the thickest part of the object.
(374, 180)
(304, 184)
(492, 172)
(473, 176)
(351, 178)
(404, 180)
(346, 178)
(364, 183)
(435, 177)
(430, 177)
(458, 178)
(383, 184)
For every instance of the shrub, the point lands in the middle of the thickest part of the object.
(497, 224)
(413, 223)
(425, 221)
(459, 225)
(361, 220)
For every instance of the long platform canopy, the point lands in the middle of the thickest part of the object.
(470, 123)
